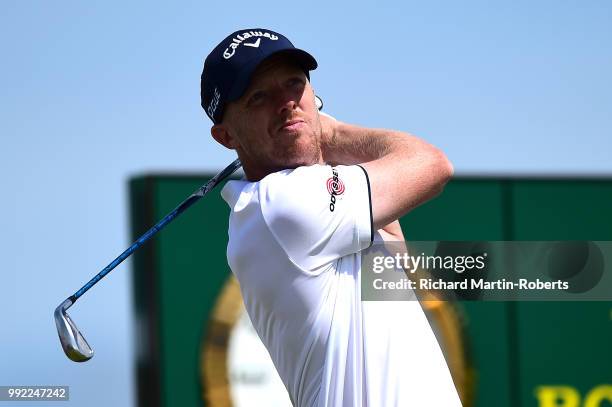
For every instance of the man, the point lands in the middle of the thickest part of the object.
(318, 192)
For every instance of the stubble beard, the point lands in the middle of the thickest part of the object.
(298, 154)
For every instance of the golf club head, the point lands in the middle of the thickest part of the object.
(74, 344)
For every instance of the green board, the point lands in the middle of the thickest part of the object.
(516, 349)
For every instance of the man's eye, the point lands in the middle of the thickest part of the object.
(257, 97)
(296, 82)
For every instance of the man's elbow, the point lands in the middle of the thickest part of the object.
(442, 170)
(446, 167)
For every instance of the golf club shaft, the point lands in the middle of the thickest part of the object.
(193, 198)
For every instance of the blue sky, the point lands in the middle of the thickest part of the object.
(95, 92)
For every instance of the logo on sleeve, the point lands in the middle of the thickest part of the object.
(335, 187)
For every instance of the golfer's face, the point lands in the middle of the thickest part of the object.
(276, 122)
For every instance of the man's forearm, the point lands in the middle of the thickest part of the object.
(349, 144)
(392, 232)
(404, 171)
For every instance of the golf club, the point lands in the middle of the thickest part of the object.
(74, 344)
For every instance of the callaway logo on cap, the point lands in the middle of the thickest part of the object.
(228, 68)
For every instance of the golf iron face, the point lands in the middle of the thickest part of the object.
(74, 344)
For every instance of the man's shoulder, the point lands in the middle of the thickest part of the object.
(275, 177)
(288, 193)
(294, 186)
(293, 173)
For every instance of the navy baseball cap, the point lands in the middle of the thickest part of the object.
(228, 68)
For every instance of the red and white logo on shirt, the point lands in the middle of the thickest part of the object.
(335, 187)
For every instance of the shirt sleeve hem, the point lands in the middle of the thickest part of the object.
(370, 205)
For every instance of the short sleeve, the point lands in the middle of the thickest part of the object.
(318, 213)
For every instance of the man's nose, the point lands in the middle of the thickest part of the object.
(286, 101)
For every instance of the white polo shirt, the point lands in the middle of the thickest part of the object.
(294, 243)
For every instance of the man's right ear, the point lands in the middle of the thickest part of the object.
(221, 133)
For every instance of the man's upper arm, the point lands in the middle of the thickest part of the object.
(318, 213)
(402, 180)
